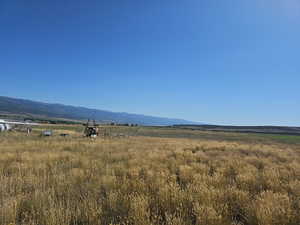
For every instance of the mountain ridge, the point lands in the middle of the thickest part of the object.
(57, 110)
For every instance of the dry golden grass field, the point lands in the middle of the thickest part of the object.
(182, 177)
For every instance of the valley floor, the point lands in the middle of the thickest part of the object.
(143, 180)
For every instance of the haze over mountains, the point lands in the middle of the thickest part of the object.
(10, 105)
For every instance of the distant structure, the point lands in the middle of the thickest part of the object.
(11, 125)
(91, 129)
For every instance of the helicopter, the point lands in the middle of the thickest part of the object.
(91, 129)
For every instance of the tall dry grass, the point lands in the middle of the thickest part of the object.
(147, 181)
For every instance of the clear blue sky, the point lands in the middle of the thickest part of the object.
(215, 61)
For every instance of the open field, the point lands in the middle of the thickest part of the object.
(155, 176)
(245, 129)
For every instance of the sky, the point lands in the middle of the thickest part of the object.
(234, 62)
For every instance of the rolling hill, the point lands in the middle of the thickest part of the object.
(16, 106)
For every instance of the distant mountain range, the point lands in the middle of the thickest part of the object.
(16, 106)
